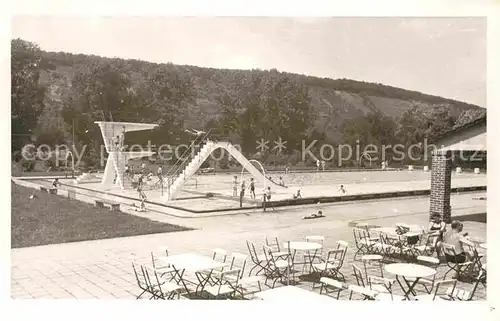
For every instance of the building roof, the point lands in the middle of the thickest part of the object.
(476, 122)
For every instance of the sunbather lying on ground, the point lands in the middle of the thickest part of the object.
(318, 215)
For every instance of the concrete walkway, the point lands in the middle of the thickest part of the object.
(102, 269)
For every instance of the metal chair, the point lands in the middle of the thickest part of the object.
(140, 278)
(239, 261)
(453, 265)
(163, 289)
(258, 261)
(162, 267)
(274, 244)
(330, 266)
(440, 293)
(462, 295)
(363, 241)
(366, 293)
(384, 288)
(278, 268)
(358, 274)
(331, 286)
(225, 286)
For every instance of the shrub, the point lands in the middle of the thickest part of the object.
(28, 165)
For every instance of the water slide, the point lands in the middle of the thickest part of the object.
(204, 153)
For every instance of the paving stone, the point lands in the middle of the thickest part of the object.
(108, 274)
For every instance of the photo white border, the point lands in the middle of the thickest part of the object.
(89, 310)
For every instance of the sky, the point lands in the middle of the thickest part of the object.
(438, 56)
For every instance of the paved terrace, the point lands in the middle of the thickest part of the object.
(102, 269)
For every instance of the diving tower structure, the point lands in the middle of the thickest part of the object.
(113, 134)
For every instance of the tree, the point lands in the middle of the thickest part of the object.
(99, 92)
(469, 115)
(373, 128)
(27, 94)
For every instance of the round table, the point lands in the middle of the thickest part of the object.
(303, 247)
(409, 270)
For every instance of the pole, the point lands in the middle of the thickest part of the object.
(72, 158)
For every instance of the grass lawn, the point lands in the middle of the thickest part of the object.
(51, 219)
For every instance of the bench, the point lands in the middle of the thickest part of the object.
(49, 190)
(115, 207)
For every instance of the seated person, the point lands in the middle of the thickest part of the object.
(455, 238)
(436, 229)
(298, 195)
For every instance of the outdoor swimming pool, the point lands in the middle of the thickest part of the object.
(216, 181)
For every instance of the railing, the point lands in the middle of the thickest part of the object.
(177, 168)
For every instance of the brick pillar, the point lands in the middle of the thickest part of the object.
(441, 184)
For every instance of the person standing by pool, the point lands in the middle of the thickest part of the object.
(242, 193)
(127, 170)
(235, 186)
(317, 165)
(142, 196)
(342, 189)
(287, 170)
(159, 172)
(267, 198)
(323, 164)
(55, 183)
(252, 188)
(281, 182)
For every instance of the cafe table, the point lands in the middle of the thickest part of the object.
(411, 271)
(302, 246)
(201, 266)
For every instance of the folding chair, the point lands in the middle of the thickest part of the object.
(141, 279)
(462, 295)
(476, 257)
(163, 289)
(278, 268)
(161, 267)
(225, 286)
(331, 286)
(440, 293)
(366, 293)
(459, 268)
(428, 247)
(239, 261)
(308, 257)
(218, 255)
(363, 241)
(274, 244)
(384, 288)
(358, 274)
(330, 266)
(258, 261)
(384, 247)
